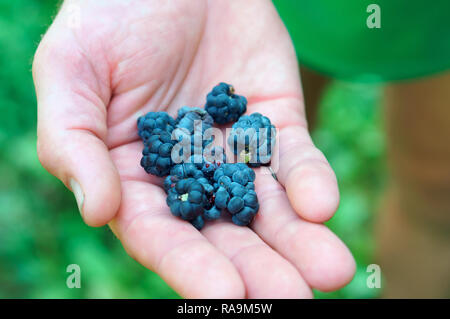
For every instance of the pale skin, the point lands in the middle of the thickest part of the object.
(127, 58)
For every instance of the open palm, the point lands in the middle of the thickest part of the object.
(94, 76)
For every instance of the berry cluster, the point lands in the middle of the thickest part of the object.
(193, 207)
(252, 138)
(154, 120)
(235, 192)
(155, 129)
(199, 183)
(223, 105)
(189, 117)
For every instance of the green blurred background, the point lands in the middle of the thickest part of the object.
(41, 232)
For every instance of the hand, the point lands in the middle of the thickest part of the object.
(126, 58)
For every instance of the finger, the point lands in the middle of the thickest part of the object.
(321, 258)
(265, 273)
(72, 129)
(171, 247)
(301, 168)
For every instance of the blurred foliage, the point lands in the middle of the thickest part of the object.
(41, 232)
(349, 133)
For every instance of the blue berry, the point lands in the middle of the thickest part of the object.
(154, 120)
(223, 105)
(181, 173)
(190, 127)
(186, 170)
(235, 205)
(198, 222)
(221, 198)
(252, 138)
(156, 155)
(187, 199)
(235, 192)
(188, 117)
(155, 129)
(212, 213)
(244, 217)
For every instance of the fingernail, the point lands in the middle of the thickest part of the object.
(78, 192)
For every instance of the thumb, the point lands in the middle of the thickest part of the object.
(72, 129)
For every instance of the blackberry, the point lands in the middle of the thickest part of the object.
(187, 199)
(191, 124)
(235, 192)
(156, 155)
(181, 171)
(155, 129)
(189, 171)
(154, 120)
(189, 117)
(252, 138)
(223, 105)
